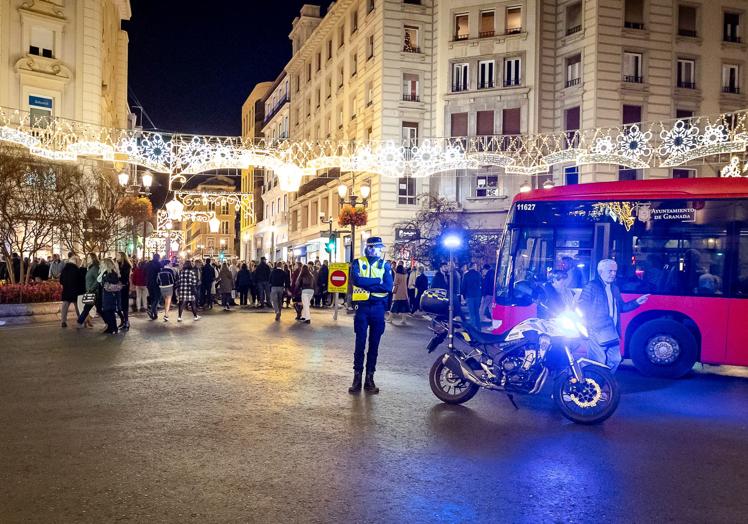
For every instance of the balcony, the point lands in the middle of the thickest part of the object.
(733, 39)
(633, 79)
(461, 36)
(486, 34)
(513, 30)
(691, 33)
(486, 84)
(274, 111)
(457, 88)
(573, 82)
(686, 85)
(634, 25)
(513, 82)
(731, 89)
(573, 29)
(411, 98)
(411, 49)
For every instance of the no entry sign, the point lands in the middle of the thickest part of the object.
(337, 280)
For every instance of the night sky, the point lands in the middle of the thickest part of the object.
(192, 69)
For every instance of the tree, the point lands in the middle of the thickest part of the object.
(31, 193)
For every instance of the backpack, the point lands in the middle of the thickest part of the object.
(165, 277)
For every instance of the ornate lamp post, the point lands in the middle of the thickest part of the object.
(353, 200)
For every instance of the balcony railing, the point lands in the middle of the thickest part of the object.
(277, 107)
(686, 85)
(407, 97)
(513, 30)
(486, 84)
(731, 89)
(633, 79)
(411, 49)
(572, 82)
(733, 39)
(456, 88)
(687, 32)
(486, 34)
(633, 25)
(573, 29)
(461, 36)
(512, 82)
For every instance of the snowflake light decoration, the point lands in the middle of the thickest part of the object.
(634, 143)
(155, 150)
(713, 134)
(734, 169)
(679, 140)
(391, 160)
(604, 146)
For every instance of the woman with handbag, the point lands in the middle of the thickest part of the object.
(111, 289)
(306, 284)
(92, 288)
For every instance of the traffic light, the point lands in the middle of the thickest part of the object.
(330, 245)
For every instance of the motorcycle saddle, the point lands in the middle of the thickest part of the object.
(484, 338)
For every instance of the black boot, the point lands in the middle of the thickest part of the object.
(356, 386)
(369, 385)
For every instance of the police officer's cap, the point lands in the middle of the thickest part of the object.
(374, 242)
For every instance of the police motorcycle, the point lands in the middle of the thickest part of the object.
(520, 361)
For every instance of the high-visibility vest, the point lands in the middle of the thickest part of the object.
(367, 270)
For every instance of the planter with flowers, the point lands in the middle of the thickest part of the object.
(352, 216)
(34, 302)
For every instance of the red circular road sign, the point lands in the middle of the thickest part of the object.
(338, 278)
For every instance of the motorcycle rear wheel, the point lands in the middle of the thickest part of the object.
(590, 403)
(448, 387)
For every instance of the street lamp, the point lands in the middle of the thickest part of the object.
(353, 200)
(174, 208)
(123, 178)
(147, 179)
(548, 184)
(214, 224)
(451, 241)
(525, 188)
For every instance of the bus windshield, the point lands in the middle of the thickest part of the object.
(670, 247)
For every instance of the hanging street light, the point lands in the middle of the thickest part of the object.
(147, 179)
(214, 224)
(174, 208)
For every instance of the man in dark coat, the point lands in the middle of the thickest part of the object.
(471, 291)
(206, 282)
(154, 291)
(602, 305)
(262, 281)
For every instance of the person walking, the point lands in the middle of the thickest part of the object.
(601, 304)
(207, 277)
(472, 287)
(296, 289)
(262, 281)
(558, 296)
(422, 284)
(400, 297)
(186, 288)
(226, 280)
(166, 278)
(487, 287)
(279, 284)
(372, 282)
(306, 284)
(73, 284)
(124, 273)
(140, 283)
(324, 273)
(243, 282)
(111, 288)
(153, 268)
(412, 275)
(92, 288)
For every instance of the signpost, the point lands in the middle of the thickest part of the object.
(337, 282)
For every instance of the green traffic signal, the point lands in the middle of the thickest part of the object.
(330, 245)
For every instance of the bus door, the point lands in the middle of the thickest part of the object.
(737, 323)
(601, 250)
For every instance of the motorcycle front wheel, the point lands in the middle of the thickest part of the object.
(448, 387)
(588, 402)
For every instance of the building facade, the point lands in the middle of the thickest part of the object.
(198, 239)
(253, 114)
(65, 58)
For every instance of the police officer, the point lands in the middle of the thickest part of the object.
(372, 282)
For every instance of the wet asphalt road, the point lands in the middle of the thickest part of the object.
(238, 419)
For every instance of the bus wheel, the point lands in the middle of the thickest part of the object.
(663, 348)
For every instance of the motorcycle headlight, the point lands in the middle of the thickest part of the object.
(582, 330)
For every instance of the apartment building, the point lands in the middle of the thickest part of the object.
(65, 59)
(198, 239)
(362, 73)
(253, 115)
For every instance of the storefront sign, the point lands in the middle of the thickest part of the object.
(403, 234)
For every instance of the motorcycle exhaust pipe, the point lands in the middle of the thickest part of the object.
(459, 368)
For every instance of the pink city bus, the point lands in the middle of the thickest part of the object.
(684, 241)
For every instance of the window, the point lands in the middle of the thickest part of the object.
(225, 208)
(484, 123)
(487, 186)
(511, 121)
(632, 68)
(304, 217)
(411, 87)
(460, 77)
(42, 42)
(686, 75)
(329, 49)
(370, 47)
(369, 6)
(573, 70)
(462, 27)
(340, 117)
(224, 227)
(684, 173)
(574, 18)
(513, 20)
(410, 134)
(732, 27)
(341, 75)
(341, 35)
(571, 125)
(459, 124)
(571, 175)
(406, 191)
(487, 24)
(410, 39)
(354, 64)
(631, 114)
(40, 110)
(633, 14)
(329, 87)
(319, 60)
(683, 113)
(486, 74)
(309, 72)
(354, 107)
(211, 244)
(731, 78)
(315, 213)
(318, 97)
(369, 94)
(354, 21)
(512, 72)
(687, 20)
